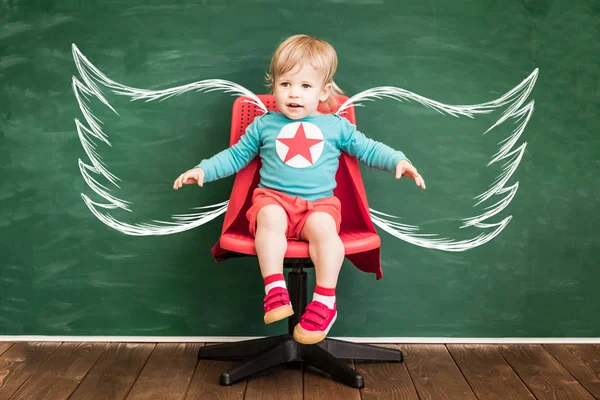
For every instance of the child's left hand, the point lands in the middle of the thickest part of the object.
(407, 169)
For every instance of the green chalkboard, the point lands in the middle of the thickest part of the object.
(65, 272)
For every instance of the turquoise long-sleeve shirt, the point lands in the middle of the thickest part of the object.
(300, 157)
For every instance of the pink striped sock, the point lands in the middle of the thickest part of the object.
(325, 296)
(275, 280)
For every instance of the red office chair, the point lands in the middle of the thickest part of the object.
(362, 248)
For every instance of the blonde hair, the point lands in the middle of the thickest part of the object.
(299, 49)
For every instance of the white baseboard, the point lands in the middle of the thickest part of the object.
(221, 339)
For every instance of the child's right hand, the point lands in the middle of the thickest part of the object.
(195, 175)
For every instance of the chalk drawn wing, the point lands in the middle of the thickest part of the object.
(90, 86)
(510, 153)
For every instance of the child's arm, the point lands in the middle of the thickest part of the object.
(376, 154)
(233, 159)
(225, 163)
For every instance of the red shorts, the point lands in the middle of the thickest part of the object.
(298, 210)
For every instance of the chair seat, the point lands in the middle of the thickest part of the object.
(354, 242)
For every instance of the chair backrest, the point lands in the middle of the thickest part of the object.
(349, 188)
(243, 113)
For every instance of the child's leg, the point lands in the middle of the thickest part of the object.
(327, 253)
(325, 248)
(270, 244)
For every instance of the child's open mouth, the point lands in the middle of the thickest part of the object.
(294, 105)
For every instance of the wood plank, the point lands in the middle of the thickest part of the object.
(281, 382)
(59, 376)
(20, 362)
(488, 373)
(386, 380)
(205, 383)
(543, 375)
(167, 373)
(115, 372)
(582, 361)
(4, 346)
(434, 373)
(319, 386)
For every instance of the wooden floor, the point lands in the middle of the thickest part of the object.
(57, 371)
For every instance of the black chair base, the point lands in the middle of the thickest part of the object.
(262, 354)
(327, 355)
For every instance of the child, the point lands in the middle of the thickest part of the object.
(299, 149)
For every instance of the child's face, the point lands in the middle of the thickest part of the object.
(299, 91)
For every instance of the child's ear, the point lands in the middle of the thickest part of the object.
(325, 92)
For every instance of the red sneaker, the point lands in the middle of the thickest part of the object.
(277, 305)
(315, 323)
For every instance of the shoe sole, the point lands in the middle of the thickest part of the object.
(303, 336)
(278, 314)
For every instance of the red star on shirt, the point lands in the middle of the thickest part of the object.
(299, 144)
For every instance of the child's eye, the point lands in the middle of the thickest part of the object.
(306, 86)
(285, 84)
